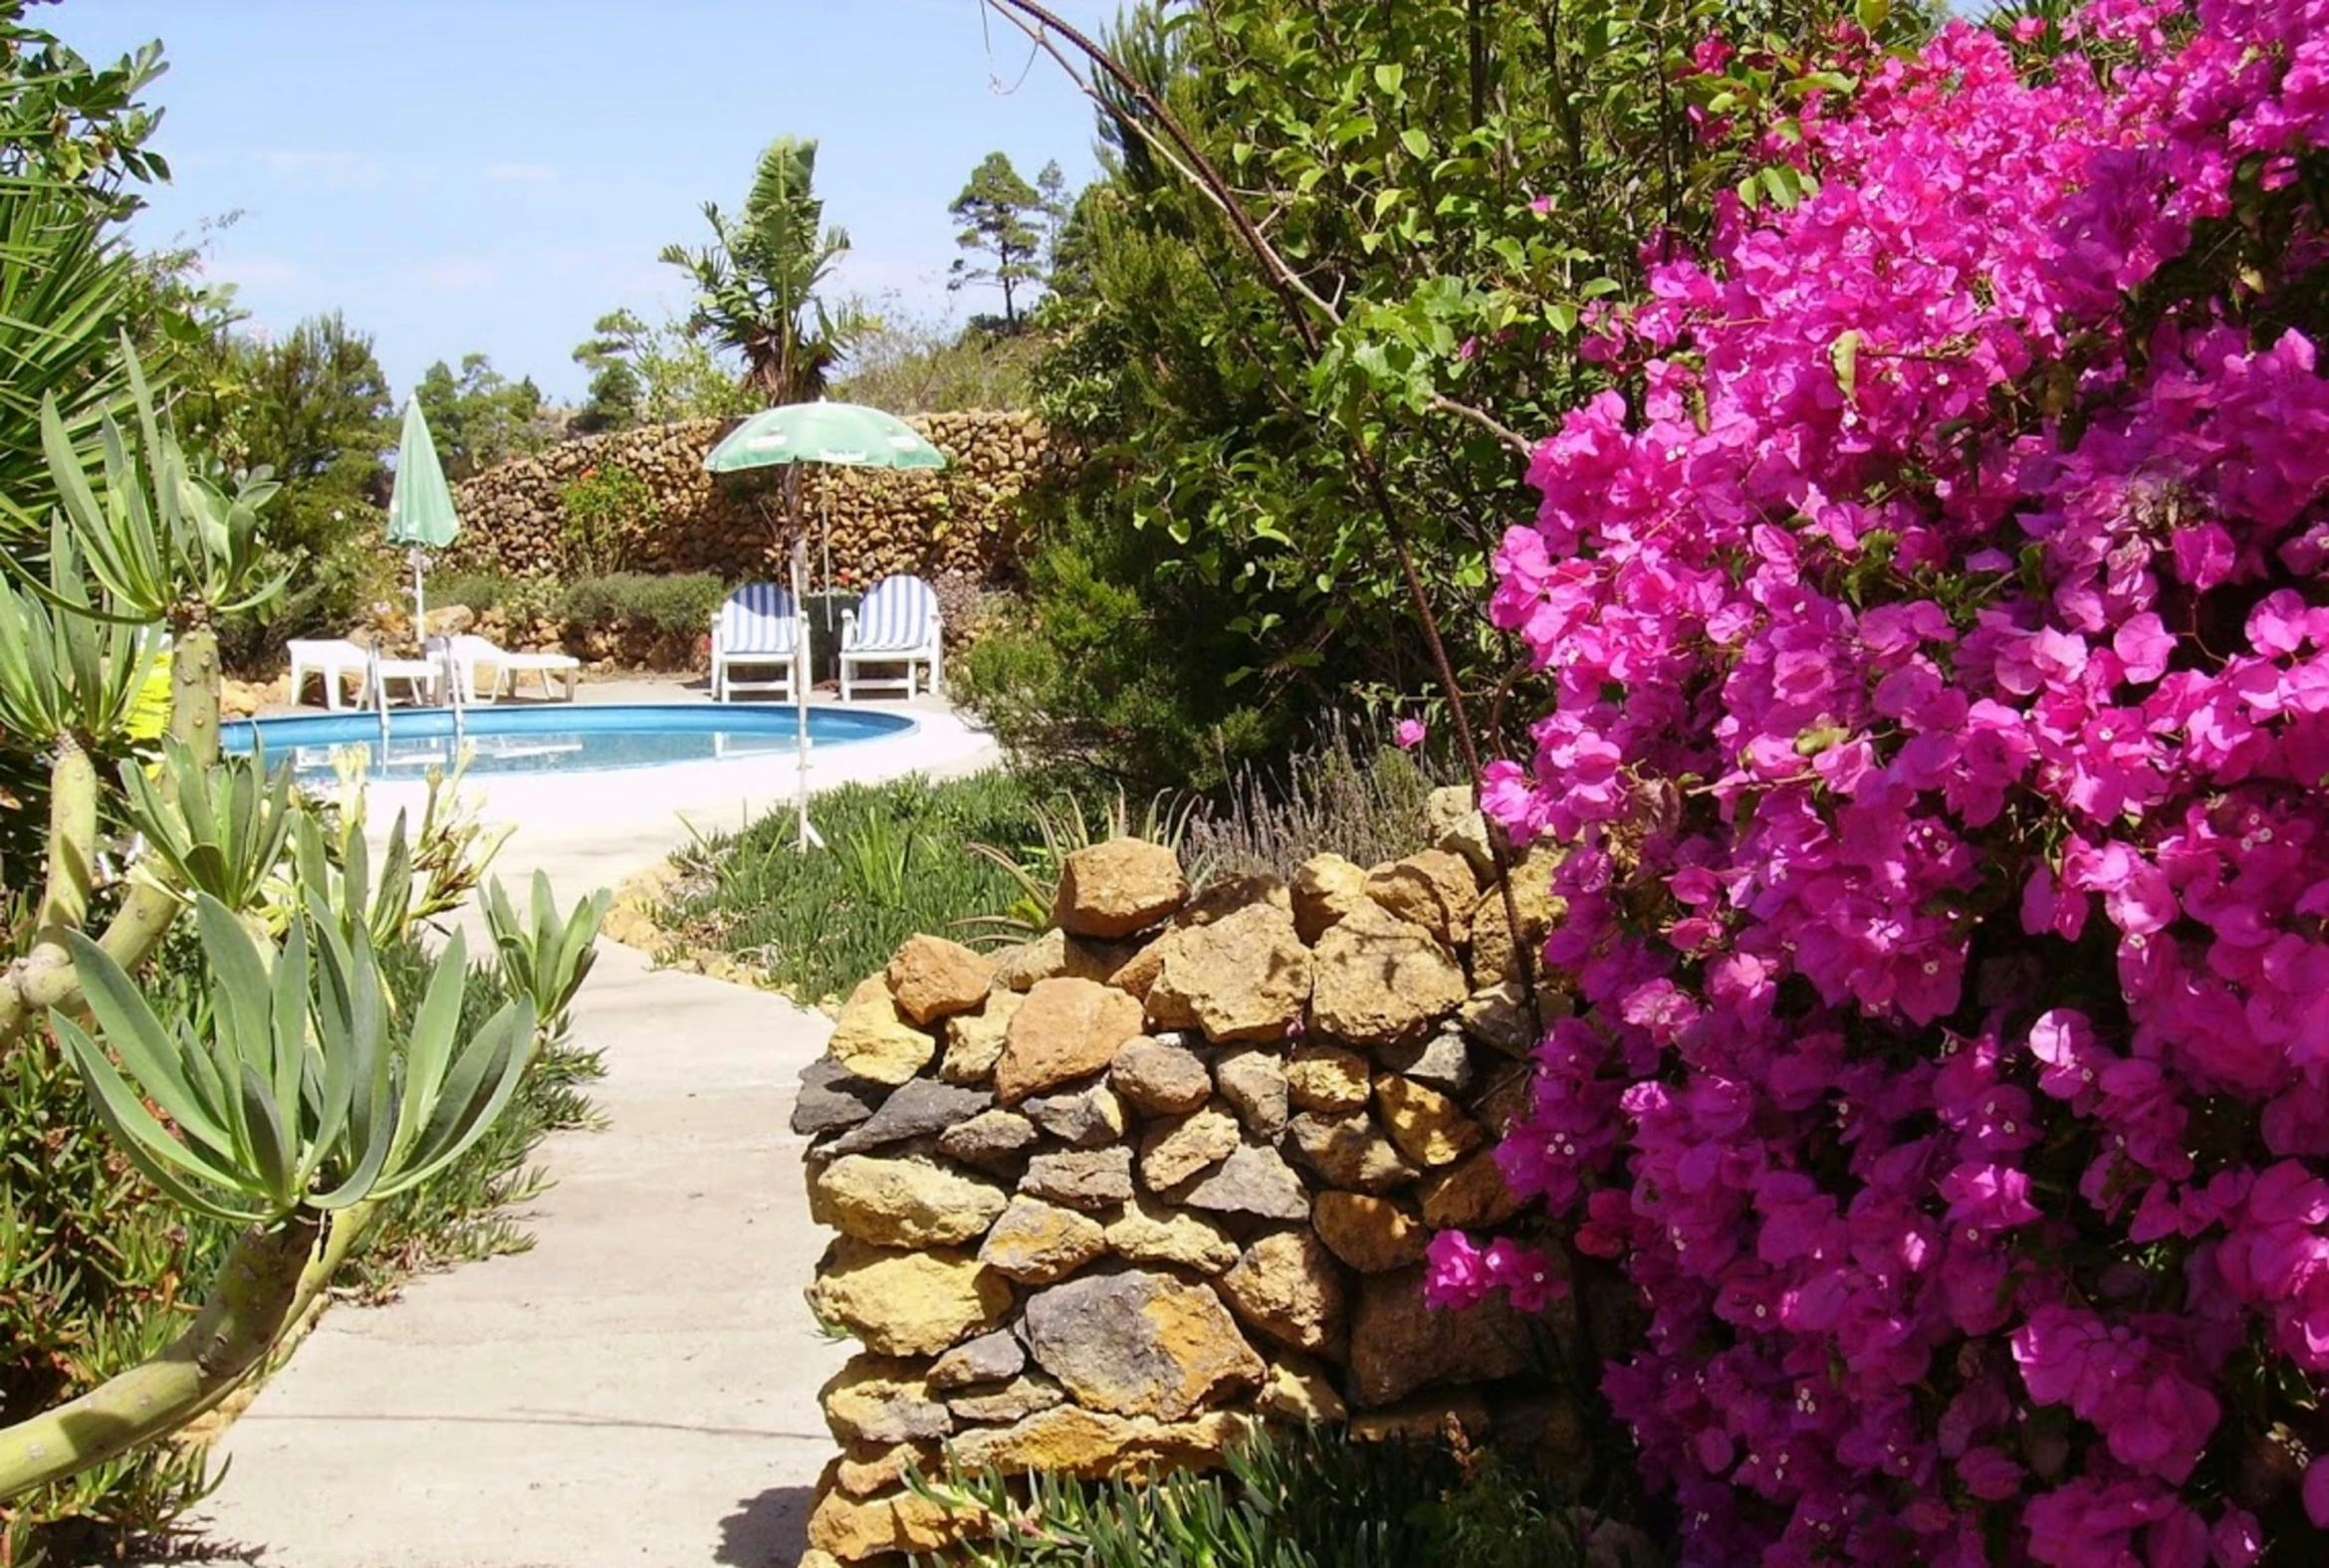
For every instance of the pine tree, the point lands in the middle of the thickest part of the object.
(999, 211)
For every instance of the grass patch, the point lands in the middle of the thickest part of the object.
(897, 862)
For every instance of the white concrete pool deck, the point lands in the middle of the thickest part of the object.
(641, 1388)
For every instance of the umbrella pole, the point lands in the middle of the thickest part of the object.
(419, 607)
(804, 666)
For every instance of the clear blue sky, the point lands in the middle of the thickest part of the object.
(492, 176)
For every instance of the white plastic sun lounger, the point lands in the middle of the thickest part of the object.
(471, 651)
(758, 629)
(895, 623)
(333, 658)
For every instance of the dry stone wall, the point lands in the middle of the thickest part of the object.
(1111, 1198)
(962, 520)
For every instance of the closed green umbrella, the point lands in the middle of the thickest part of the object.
(421, 508)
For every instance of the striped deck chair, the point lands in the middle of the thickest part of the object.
(895, 623)
(758, 629)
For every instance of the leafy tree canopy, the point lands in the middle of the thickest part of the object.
(758, 282)
(479, 417)
(1003, 221)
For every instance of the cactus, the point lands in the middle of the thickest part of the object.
(295, 1103)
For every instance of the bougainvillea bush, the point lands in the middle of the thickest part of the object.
(1937, 612)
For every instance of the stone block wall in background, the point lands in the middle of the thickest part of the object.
(1109, 1198)
(962, 520)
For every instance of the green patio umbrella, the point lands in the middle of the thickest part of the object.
(844, 435)
(420, 507)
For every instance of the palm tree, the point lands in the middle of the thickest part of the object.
(756, 284)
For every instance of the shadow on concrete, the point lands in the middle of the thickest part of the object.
(767, 1531)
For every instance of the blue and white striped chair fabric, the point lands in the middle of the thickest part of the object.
(759, 628)
(895, 623)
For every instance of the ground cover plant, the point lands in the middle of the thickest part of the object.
(1935, 622)
(1301, 1497)
(896, 860)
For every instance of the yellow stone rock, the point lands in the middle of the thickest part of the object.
(1383, 981)
(1065, 1030)
(1327, 1078)
(1434, 889)
(904, 1202)
(1469, 1196)
(856, 1528)
(874, 1040)
(974, 1039)
(1036, 1242)
(1148, 1231)
(907, 1303)
(869, 1468)
(1492, 939)
(1297, 1389)
(1372, 1234)
(933, 978)
(1326, 888)
(1071, 1440)
(1429, 1128)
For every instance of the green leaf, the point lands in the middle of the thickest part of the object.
(1389, 77)
(1415, 142)
(1844, 355)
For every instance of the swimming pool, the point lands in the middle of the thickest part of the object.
(559, 740)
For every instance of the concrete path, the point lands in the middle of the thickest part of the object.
(639, 1389)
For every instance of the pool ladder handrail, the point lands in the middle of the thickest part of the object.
(379, 690)
(451, 675)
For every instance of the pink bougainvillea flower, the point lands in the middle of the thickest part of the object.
(1408, 734)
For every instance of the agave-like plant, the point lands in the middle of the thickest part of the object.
(547, 957)
(218, 828)
(291, 1103)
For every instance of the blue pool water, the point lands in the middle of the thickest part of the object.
(550, 740)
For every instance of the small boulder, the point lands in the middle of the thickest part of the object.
(1243, 977)
(905, 1203)
(917, 1109)
(974, 1039)
(1399, 1346)
(1434, 890)
(1087, 1178)
(1372, 1234)
(1439, 1062)
(1015, 1400)
(1058, 955)
(883, 1400)
(1382, 979)
(1428, 1128)
(1148, 1231)
(1160, 1078)
(1177, 1148)
(1064, 1030)
(1254, 1181)
(1288, 1286)
(1297, 1389)
(1137, 975)
(1117, 888)
(907, 1303)
(1068, 1440)
(1137, 1343)
(831, 1098)
(871, 1040)
(991, 1140)
(1469, 1196)
(1253, 1080)
(1325, 889)
(1330, 1079)
(1540, 910)
(1037, 1242)
(1498, 1016)
(1225, 895)
(853, 1530)
(1084, 1119)
(932, 978)
(1453, 821)
(991, 1358)
(1351, 1152)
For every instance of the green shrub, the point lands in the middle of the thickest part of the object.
(1347, 794)
(897, 862)
(679, 604)
(599, 509)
